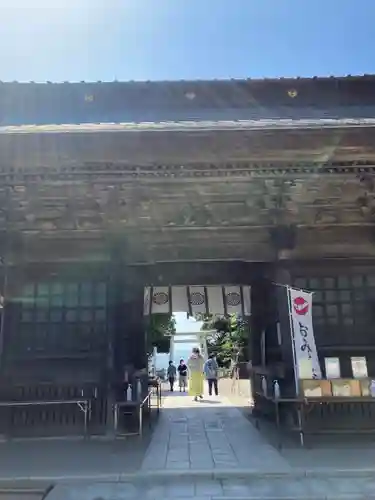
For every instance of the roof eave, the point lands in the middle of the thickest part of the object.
(190, 126)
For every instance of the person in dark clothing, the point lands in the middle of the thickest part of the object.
(211, 372)
(171, 374)
(182, 375)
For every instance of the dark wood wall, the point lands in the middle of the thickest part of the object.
(87, 319)
(56, 322)
(343, 307)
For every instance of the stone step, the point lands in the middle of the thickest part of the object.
(337, 485)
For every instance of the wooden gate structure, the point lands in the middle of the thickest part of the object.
(109, 187)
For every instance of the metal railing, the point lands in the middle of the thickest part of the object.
(131, 407)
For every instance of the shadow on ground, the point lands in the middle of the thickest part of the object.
(72, 458)
(320, 451)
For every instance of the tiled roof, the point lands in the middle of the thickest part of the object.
(281, 79)
(187, 101)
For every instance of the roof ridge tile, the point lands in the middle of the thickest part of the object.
(205, 81)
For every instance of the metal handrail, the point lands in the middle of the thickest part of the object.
(140, 423)
(140, 406)
(148, 400)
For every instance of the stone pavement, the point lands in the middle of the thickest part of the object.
(208, 434)
(208, 450)
(225, 488)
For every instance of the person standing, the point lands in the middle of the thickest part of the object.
(195, 365)
(171, 374)
(211, 372)
(182, 375)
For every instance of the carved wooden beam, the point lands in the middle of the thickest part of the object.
(148, 148)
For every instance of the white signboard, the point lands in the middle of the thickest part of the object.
(300, 310)
(332, 368)
(359, 367)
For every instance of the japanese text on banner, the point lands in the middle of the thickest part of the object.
(303, 338)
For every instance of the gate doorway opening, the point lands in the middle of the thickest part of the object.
(223, 312)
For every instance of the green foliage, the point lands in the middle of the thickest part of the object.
(159, 329)
(229, 342)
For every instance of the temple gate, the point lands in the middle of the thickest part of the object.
(255, 183)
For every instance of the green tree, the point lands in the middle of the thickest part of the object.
(229, 342)
(159, 329)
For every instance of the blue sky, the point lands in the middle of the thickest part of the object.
(185, 324)
(93, 40)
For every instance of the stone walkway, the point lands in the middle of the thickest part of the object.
(251, 488)
(209, 434)
(208, 450)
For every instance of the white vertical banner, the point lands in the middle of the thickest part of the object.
(197, 299)
(306, 356)
(215, 300)
(160, 300)
(233, 299)
(180, 299)
(246, 294)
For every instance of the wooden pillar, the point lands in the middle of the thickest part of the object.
(127, 342)
(263, 319)
(114, 299)
(283, 279)
(258, 319)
